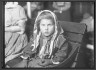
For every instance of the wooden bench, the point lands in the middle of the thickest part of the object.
(74, 33)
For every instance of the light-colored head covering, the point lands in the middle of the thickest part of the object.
(37, 33)
(11, 4)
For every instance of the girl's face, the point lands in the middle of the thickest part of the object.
(47, 27)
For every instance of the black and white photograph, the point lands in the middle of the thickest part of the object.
(48, 34)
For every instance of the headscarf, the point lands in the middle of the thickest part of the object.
(11, 4)
(37, 33)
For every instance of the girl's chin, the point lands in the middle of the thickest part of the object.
(47, 35)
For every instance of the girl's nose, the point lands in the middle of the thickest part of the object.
(46, 27)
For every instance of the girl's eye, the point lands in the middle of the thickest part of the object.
(50, 24)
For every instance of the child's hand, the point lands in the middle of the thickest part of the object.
(34, 63)
(45, 62)
(22, 64)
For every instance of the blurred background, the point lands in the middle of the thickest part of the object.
(71, 11)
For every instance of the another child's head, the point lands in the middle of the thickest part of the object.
(86, 15)
(46, 24)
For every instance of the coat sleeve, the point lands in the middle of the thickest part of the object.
(28, 49)
(61, 53)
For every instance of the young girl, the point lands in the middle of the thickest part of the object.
(48, 46)
(15, 37)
